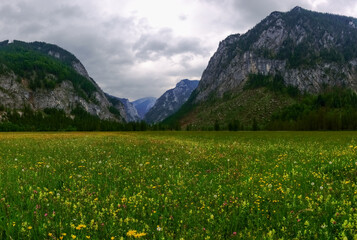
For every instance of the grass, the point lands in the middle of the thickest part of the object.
(240, 105)
(178, 185)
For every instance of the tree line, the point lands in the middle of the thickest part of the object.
(335, 109)
(57, 120)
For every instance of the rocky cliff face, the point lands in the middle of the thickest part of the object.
(118, 105)
(131, 113)
(309, 50)
(125, 107)
(143, 105)
(16, 95)
(44, 88)
(171, 101)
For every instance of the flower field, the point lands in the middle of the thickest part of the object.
(178, 185)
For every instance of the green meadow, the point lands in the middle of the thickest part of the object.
(178, 185)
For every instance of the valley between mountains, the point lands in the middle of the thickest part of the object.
(294, 70)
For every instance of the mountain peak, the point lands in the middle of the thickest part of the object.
(45, 76)
(171, 101)
(143, 105)
(182, 82)
(297, 9)
(305, 50)
(186, 82)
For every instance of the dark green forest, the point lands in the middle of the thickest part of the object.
(57, 120)
(273, 83)
(335, 109)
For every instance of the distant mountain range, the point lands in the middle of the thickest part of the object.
(171, 101)
(293, 71)
(133, 111)
(143, 105)
(125, 107)
(46, 79)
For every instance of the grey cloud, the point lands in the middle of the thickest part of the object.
(190, 45)
(164, 44)
(149, 47)
(242, 14)
(246, 14)
(68, 11)
(341, 6)
(7, 11)
(32, 29)
(183, 17)
(33, 20)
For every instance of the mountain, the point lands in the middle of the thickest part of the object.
(277, 64)
(130, 114)
(143, 105)
(119, 106)
(44, 78)
(171, 101)
(132, 111)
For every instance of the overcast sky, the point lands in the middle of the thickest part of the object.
(140, 48)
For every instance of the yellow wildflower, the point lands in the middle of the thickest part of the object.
(80, 226)
(131, 233)
(139, 235)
